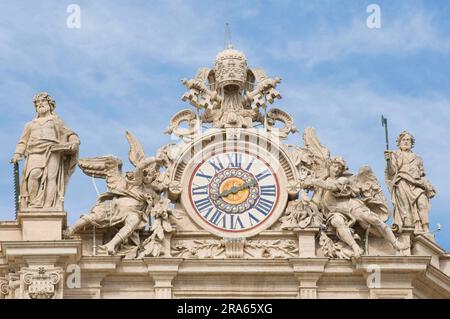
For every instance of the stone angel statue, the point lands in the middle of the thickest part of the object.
(348, 202)
(129, 199)
(310, 162)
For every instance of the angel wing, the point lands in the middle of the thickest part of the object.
(136, 153)
(313, 144)
(301, 157)
(106, 167)
(320, 154)
(366, 185)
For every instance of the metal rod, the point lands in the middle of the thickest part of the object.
(16, 187)
(228, 36)
(385, 125)
(94, 243)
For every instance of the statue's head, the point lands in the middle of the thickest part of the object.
(337, 166)
(43, 102)
(230, 69)
(151, 173)
(405, 141)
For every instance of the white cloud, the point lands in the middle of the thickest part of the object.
(107, 53)
(404, 33)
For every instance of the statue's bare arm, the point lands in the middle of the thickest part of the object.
(330, 185)
(22, 144)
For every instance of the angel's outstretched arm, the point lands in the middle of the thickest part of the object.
(331, 185)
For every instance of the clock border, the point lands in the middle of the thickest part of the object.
(238, 146)
(236, 150)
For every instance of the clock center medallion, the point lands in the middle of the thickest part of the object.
(234, 190)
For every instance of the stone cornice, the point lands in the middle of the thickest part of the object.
(395, 263)
(309, 264)
(56, 250)
(430, 244)
(99, 263)
(438, 278)
(5, 224)
(235, 266)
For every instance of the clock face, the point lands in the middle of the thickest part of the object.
(233, 192)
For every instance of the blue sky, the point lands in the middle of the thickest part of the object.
(121, 71)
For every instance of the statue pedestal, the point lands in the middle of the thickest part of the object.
(307, 241)
(39, 224)
(308, 272)
(392, 277)
(424, 246)
(163, 271)
(406, 238)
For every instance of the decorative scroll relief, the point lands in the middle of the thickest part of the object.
(8, 286)
(275, 115)
(4, 287)
(255, 248)
(41, 283)
(212, 248)
(184, 116)
(280, 248)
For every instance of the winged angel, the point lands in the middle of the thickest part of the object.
(347, 202)
(130, 197)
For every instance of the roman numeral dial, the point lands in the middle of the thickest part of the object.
(233, 191)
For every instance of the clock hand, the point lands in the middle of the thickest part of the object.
(227, 192)
(246, 185)
(235, 189)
